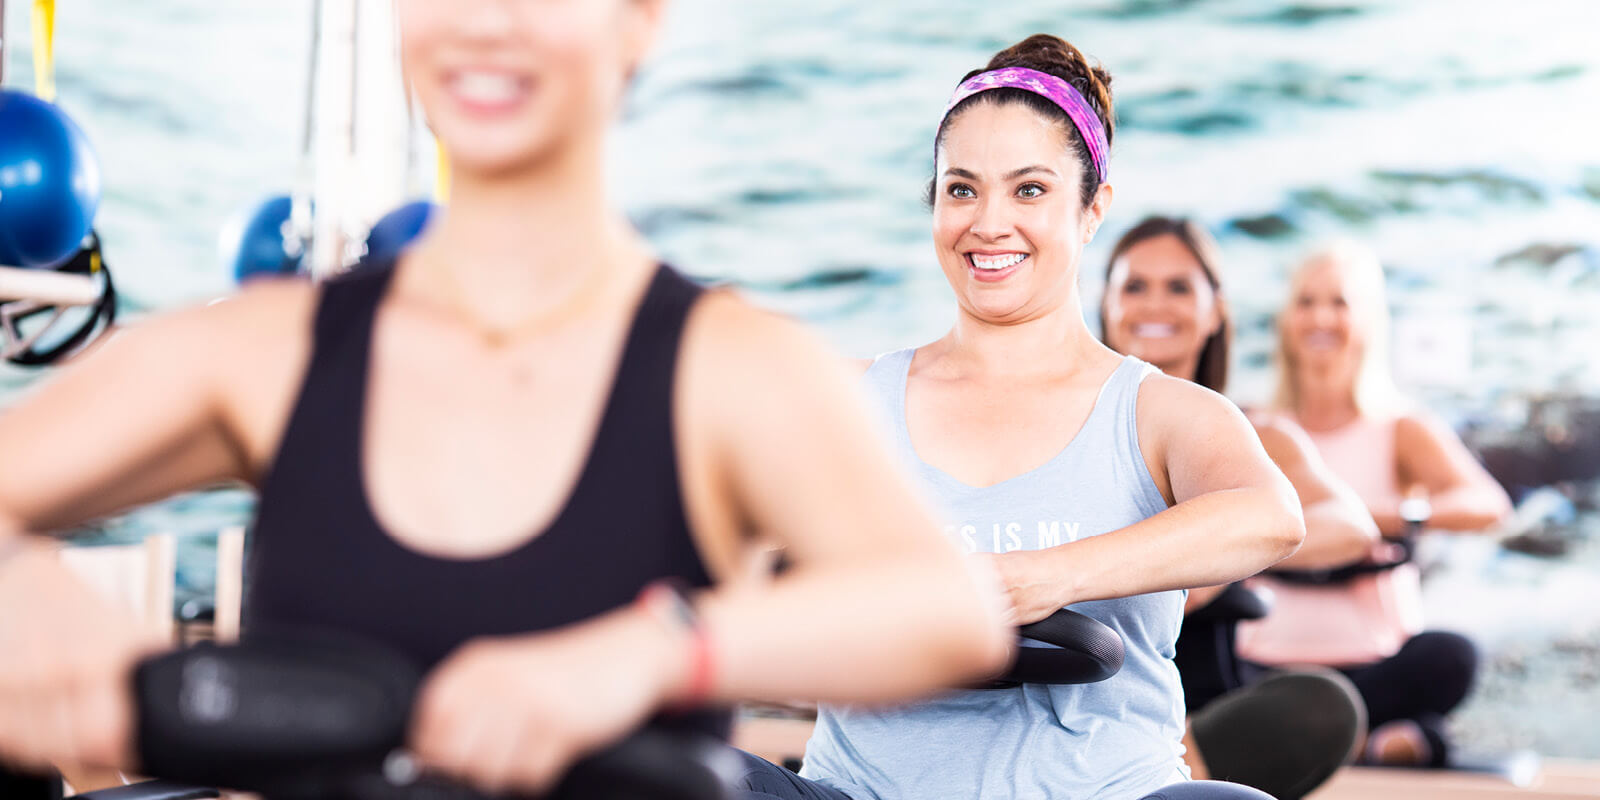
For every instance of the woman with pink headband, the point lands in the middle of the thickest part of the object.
(1087, 479)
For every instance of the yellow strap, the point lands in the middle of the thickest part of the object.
(44, 49)
(441, 176)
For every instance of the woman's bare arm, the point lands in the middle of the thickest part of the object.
(1339, 530)
(141, 417)
(877, 604)
(1463, 495)
(1233, 512)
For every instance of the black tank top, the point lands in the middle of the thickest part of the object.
(319, 558)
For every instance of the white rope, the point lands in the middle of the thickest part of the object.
(48, 287)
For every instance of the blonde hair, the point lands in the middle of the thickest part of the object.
(1375, 391)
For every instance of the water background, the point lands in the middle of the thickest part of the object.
(784, 146)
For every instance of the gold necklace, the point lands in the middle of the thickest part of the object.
(498, 337)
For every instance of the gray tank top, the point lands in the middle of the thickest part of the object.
(1114, 739)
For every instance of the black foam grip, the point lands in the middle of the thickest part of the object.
(649, 765)
(1235, 603)
(1339, 575)
(150, 790)
(1081, 650)
(317, 716)
(654, 764)
(245, 716)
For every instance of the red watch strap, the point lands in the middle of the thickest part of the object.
(670, 601)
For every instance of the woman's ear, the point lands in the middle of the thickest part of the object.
(641, 24)
(1096, 213)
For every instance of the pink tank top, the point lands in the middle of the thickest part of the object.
(1362, 454)
(1366, 619)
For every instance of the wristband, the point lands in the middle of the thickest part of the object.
(1415, 511)
(670, 602)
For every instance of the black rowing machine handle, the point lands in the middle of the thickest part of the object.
(1078, 649)
(316, 716)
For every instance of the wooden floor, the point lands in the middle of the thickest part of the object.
(1557, 780)
(778, 739)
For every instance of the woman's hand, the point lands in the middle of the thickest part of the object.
(65, 661)
(1032, 590)
(515, 713)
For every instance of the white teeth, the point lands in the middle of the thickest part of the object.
(1154, 330)
(997, 262)
(485, 87)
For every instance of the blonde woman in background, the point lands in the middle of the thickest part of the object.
(1408, 468)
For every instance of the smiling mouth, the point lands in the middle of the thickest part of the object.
(995, 263)
(1154, 330)
(487, 89)
(1320, 340)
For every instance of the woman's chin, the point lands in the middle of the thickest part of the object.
(991, 306)
(1320, 360)
(496, 150)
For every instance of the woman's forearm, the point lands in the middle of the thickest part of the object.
(1337, 534)
(879, 631)
(1468, 508)
(1463, 509)
(1212, 539)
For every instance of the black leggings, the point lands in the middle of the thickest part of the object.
(763, 780)
(1426, 680)
(1422, 683)
(1431, 674)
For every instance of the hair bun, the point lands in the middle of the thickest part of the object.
(1056, 56)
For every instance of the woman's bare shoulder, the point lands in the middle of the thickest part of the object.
(739, 337)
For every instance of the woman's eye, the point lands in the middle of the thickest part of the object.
(1029, 191)
(1134, 286)
(961, 191)
(1178, 287)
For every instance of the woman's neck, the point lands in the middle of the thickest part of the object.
(1188, 369)
(1325, 399)
(1054, 342)
(515, 242)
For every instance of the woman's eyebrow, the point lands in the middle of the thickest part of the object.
(1017, 173)
(1010, 176)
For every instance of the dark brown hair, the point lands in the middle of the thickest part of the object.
(1212, 369)
(1055, 56)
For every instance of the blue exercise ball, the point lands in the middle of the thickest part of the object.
(259, 241)
(49, 182)
(396, 229)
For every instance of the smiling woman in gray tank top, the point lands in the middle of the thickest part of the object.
(1083, 477)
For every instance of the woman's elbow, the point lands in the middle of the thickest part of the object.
(1479, 509)
(1499, 505)
(1495, 509)
(987, 652)
(1286, 530)
(977, 641)
(1348, 524)
(1335, 539)
(988, 648)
